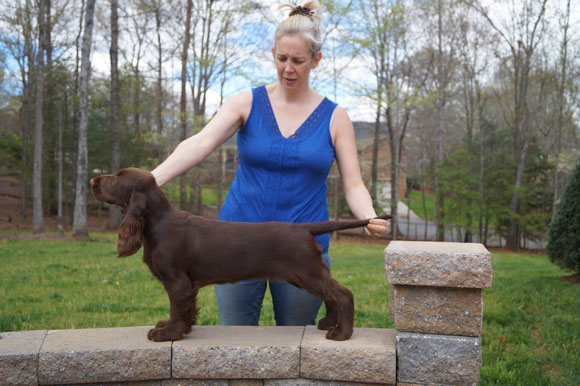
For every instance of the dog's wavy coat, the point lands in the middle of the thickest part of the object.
(187, 252)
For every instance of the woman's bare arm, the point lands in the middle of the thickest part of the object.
(198, 147)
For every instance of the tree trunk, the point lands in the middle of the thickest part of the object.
(374, 166)
(114, 211)
(80, 228)
(561, 103)
(440, 105)
(37, 215)
(75, 102)
(59, 216)
(394, 189)
(25, 117)
(51, 96)
(159, 102)
(183, 99)
(393, 143)
(513, 234)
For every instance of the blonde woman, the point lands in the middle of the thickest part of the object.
(288, 137)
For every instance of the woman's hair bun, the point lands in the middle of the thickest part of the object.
(309, 9)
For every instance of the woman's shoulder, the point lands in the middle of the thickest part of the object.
(240, 103)
(240, 98)
(340, 116)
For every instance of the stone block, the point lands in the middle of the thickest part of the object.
(438, 264)
(312, 382)
(195, 382)
(437, 310)
(242, 352)
(19, 357)
(438, 359)
(368, 356)
(156, 382)
(213, 382)
(102, 355)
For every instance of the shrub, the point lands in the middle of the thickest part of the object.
(564, 244)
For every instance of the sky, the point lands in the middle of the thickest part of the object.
(358, 108)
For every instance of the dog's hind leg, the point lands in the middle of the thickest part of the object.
(339, 319)
(182, 311)
(345, 315)
(330, 319)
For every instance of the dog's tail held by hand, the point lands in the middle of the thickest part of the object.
(320, 228)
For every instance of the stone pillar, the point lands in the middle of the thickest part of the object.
(436, 303)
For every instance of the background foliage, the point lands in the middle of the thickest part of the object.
(564, 245)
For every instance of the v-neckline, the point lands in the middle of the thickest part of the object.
(301, 128)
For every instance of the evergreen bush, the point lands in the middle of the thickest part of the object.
(564, 244)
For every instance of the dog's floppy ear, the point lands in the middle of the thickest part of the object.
(131, 231)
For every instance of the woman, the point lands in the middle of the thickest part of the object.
(288, 138)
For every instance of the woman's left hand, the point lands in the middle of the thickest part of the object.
(378, 227)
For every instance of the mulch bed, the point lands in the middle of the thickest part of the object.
(574, 279)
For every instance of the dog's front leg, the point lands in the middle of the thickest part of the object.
(182, 311)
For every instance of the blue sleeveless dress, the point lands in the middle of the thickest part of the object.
(279, 178)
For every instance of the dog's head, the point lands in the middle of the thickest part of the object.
(129, 189)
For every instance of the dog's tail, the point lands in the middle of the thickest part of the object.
(320, 228)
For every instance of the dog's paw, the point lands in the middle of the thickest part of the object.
(326, 323)
(162, 324)
(338, 334)
(164, 334)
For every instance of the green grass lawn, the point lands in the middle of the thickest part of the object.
(531, 320)
(209, 193)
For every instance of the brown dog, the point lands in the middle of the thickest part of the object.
(188, 252)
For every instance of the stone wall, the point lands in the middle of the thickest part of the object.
(436, 303)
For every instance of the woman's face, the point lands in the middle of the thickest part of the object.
(294, 61)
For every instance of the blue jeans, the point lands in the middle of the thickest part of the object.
(240, 303)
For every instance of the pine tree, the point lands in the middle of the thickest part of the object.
(564, 243)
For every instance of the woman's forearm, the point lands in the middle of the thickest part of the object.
(193, 150)
(185, 156)
(359, 201)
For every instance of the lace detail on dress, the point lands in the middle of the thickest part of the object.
(267, 112)
(311, 123)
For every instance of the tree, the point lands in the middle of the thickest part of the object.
(386, 41)
(114, 211)
(440, 17)
(561, 103)
(140, 22)
(521, 32)
(183, 99)
(37, 215)
(20, 46)
(212, 23)
(160, 16)
(473, 41)
(564, 244)
(80, 211)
